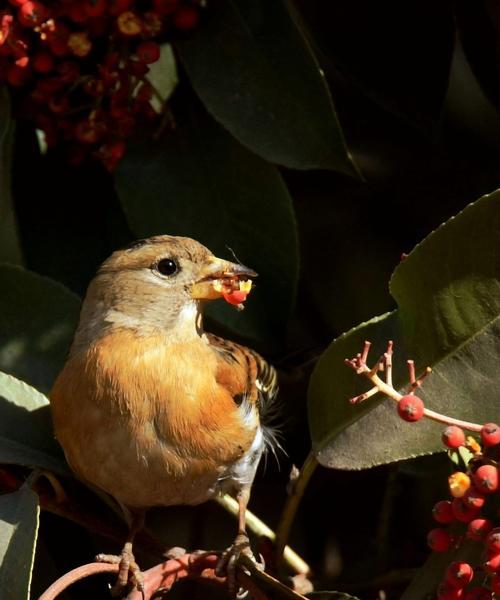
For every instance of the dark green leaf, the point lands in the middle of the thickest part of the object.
(18, 532)
(256, 74)
(398, 55)
(26, 435)
(37, 319)
(10, 249)
(447, 292)
(199, 182)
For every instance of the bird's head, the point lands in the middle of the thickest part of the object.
(160, 283)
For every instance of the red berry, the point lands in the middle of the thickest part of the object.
(442, 512)
(145, 92)
(478, 593)
(478, 529)
(453, 437)
(235, 297)
(117, 7)
(59, 104)
(43, 62)
(148, 52)
(486, 479)
(410, 408)
(95, 8)
(495, 584)
(439, 540)
(447, 591)
(32, 14)
(137, 68)
(462, 512)
(490, 434)
(185, 18)
(17, 2)
(89, 132)
(473, 497)
(18, 76)
(152, 24)
(493, 540)
(165, 7)
(459, 574)
(492, 565)
(68, 71)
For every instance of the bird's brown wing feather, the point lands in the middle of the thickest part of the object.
(249, 378)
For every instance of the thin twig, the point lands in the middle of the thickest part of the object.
(361, 368)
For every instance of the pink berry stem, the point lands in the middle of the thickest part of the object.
(361, 368)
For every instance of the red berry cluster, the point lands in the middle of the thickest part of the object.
(77, 68)
(472, 494)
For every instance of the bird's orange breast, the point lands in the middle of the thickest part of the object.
(147, 420)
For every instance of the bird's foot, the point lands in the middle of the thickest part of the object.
(228, 562)
(129, 571)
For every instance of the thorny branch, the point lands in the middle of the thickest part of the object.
(384, 364)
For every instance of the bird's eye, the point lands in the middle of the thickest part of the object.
(167, 267)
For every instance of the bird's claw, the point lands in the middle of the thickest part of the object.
(128, 572)
(226, 567)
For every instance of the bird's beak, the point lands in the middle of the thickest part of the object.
(220, 278)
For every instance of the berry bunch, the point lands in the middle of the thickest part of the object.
(468, 513)
(472, 492)
(77, 68)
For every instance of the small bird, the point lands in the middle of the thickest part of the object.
(149, 407)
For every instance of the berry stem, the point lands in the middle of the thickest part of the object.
(386, 387)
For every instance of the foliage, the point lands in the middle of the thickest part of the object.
(254, 159)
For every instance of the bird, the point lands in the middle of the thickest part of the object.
(151, 408)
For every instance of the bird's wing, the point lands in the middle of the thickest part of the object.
(250, 379)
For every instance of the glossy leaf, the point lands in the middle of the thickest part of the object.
(10, 248)
(37, 319)
(26, 435)
(254, 71)
(19, 514)
(397, 54)
(199, 182)
(447, 292)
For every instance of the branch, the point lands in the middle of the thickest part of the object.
(290, 510)
(160, 579)
(385, 363)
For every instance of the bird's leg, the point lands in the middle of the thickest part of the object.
(241, 545)
(128, 568)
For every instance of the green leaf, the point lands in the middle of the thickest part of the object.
(37, 319)
(256, 74)
(10, 248)
(26, 436)
(199, 182)
(163, 77)
(19, 513)
(448, 298)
